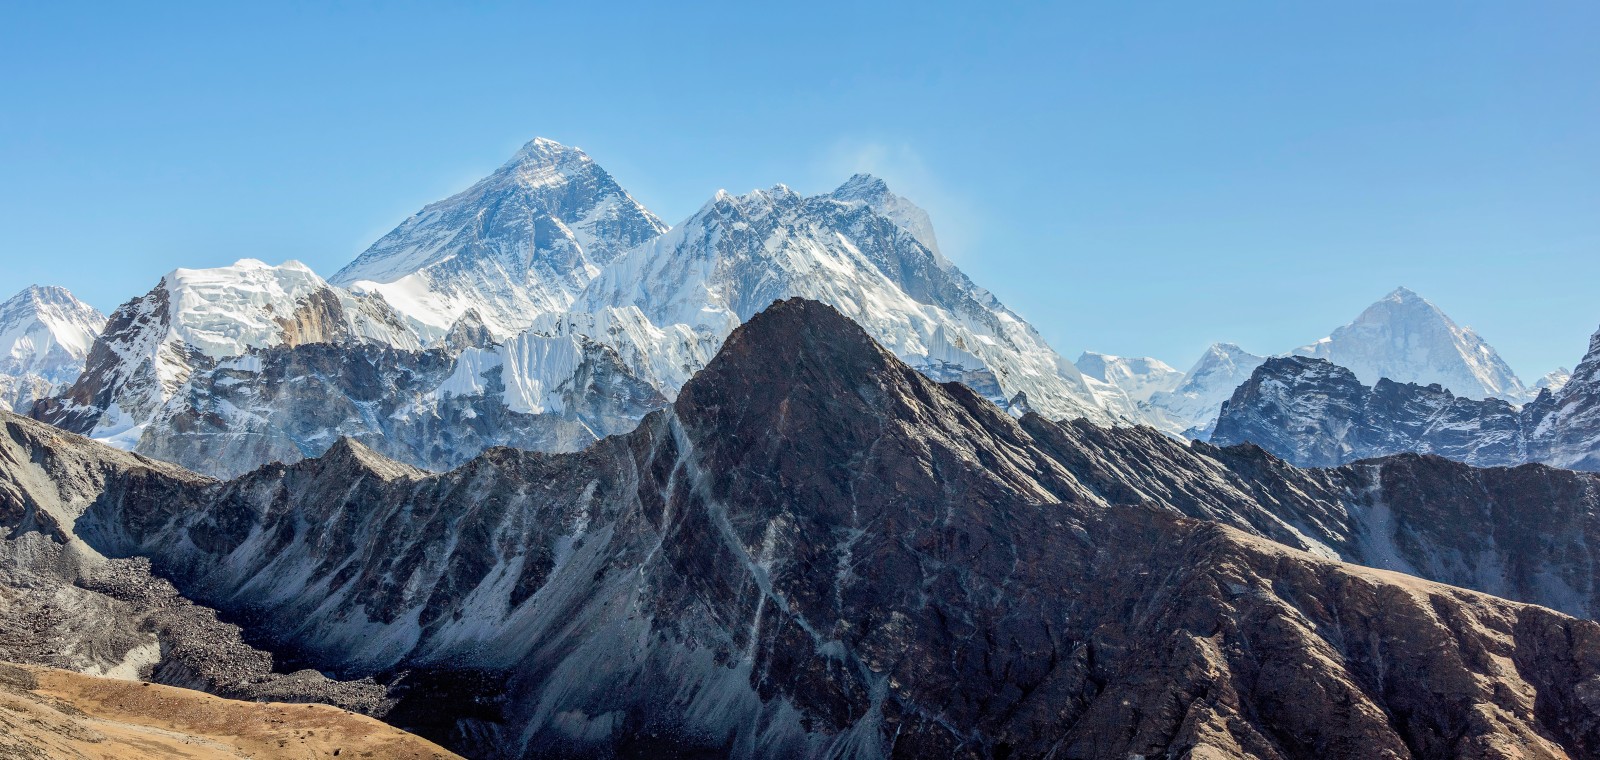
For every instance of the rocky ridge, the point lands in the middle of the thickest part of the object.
(66, 604)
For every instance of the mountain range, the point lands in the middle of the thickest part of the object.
(541, 308)
(1402, 337)
(817, 551)
(545, 308)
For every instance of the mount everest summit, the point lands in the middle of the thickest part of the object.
(521, 242)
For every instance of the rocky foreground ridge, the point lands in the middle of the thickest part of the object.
(817, 551)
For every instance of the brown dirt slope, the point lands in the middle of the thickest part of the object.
(56, 714)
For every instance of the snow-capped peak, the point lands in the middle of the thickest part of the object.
(725, 207)
(1554, 380)
(544, 162)
(1405, 338)
(152, 344)
(45, 333)
(740, 253)
(874, 192)
(1191, 408)
(521, 242)
(41, 321)
(225, 311)
(1137, 376)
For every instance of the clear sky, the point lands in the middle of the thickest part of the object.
(1134, 178)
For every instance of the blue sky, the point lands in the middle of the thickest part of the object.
(1133, 178)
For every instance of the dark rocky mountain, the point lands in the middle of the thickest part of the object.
(1317, 414)
(817, 551)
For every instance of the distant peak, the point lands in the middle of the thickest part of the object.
(1093, 364)
(349, 454)
(41, 294)
(1403, 304)
(861, 186)
(544, 151)
(1404, 294)
(35, 301)
(875, 194)
(753, 204)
